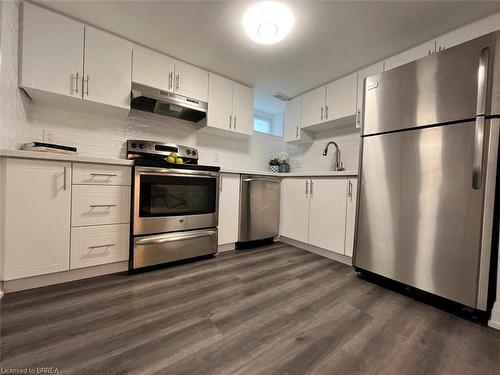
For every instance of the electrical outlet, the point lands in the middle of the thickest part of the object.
(49, 136)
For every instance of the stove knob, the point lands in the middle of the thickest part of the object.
(141, 145)
(134, 145)
(193, 153)
(188, 152)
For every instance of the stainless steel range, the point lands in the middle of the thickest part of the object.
(174, 206)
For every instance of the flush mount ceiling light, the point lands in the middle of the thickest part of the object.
(268, 22)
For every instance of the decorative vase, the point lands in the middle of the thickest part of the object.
(274, 168)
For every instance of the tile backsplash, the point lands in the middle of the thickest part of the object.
(101, 135)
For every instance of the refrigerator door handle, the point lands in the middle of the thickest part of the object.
(482, 84)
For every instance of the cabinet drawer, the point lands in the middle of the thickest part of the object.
(91, 246)
(97, 205)
(100, 174)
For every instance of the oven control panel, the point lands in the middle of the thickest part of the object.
(151, 148)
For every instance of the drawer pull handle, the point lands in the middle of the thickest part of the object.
(99, 246)
(103, 174)
(101, 205)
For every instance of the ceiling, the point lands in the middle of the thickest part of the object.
(329, 39)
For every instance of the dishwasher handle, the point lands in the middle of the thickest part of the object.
(261, 180)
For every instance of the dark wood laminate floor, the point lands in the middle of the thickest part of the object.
(276, 310)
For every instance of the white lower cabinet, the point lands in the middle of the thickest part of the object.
(229, 208)
(327, 214)
(36, 221)
(294, 215)
(94, 245)
(319, 212)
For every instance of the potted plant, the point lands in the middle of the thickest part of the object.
(274, 165)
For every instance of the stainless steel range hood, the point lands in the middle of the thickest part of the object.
(150, 99)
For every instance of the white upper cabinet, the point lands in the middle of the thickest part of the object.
(327, 219)
(220, 102)
(341, 97)
(313, 107)
(229, 208)
(362, 74)
(107, 68)
(191, 81)
(410, 55)
(230, 107)
(294, 215)
(242, 109)
(291, 119)
(52, 52)
(153, 69)
(37, 207)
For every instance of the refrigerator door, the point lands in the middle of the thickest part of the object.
(420, 220)
(440, 88)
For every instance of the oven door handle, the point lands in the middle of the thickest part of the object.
(173, 237)
(175, 173)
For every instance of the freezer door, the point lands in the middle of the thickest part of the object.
(439, 88)
(420, 218)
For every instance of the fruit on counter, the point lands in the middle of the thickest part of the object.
(179, 161)
(170, 159)
(173, 155)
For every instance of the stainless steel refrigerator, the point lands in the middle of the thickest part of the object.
(428, 171)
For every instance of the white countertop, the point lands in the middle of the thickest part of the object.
(61, 157)
(291, 174)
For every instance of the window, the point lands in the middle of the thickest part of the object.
(268, 124)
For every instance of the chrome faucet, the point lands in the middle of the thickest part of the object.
(338, 165)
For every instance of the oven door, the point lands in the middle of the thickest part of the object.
(170, 200)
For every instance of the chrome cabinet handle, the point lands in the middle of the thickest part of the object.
(86, 80)
(482, 83)
(358, 117)
(177, 82)
(103, 174)
(76, 82)
(307, 187)
(99, 246)
(101, 205)
(297, 132)
(321, 113)
(326, 112)
(230, 121)
(311, 191)
(170, 75)
(234, 125)
(349, 190)
(64, 175)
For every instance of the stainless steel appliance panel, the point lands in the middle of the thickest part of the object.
(259, 207)
(420, 220)
(439, 88)
(172, 222)
(168, 247)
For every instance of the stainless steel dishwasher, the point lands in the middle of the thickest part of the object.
(259, 208)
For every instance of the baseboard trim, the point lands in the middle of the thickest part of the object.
(317, 250)
(12, 286)
(226, 247)
(494, 321)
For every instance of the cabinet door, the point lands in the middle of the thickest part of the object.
(220, 102)
(291, 120)
(294, 212)
(153, 69)
(313, 107)
(468, 32)
(52, 52)
(107, 68)
(242, 109)
(191, 81)
(327, 214)
(362, 74)
(352, 188)
(37, 217)
(410, 55)
(341, 97)
(229, 208)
